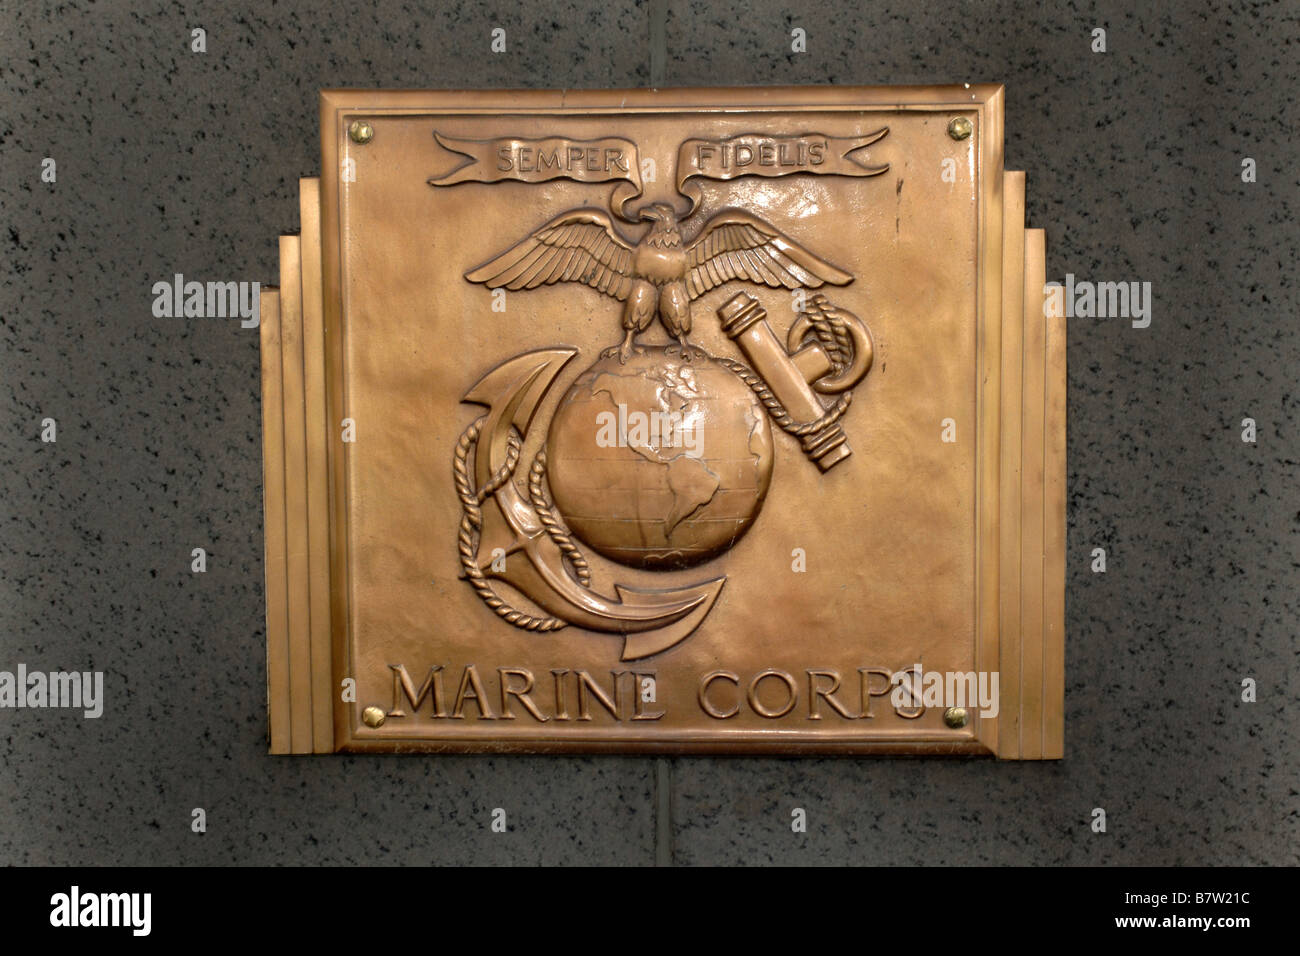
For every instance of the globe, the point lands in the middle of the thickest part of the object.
(661, 462)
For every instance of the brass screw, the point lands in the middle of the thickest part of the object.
(960, 128)
(361, 132)
(955, 717)
(374, 716)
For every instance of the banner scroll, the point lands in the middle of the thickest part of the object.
(756, 154)
(612, 159)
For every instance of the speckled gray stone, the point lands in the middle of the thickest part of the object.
(170, 161)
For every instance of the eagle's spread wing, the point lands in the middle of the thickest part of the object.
(579, 246)
(736, 245)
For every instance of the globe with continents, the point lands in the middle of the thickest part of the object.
(661, 462)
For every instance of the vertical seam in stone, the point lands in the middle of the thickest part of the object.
(663, 813)
(658, 40)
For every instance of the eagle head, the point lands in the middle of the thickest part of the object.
(659, 212)
(664, 232)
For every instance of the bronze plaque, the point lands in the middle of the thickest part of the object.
(713, 420)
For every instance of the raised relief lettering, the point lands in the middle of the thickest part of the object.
(508, 675)
(471, 691)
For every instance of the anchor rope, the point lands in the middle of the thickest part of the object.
(542, 505)
(471, 522)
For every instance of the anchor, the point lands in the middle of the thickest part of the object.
(650, 620)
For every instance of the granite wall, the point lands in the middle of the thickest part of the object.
(173, 161)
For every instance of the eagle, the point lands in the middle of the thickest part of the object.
(661, 274)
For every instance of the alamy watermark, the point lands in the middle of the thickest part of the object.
(179, 299)
(128, 910)
(56, 689)
(649, 430)
(914, 687)
(1098, 300)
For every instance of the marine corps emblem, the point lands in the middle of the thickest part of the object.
(658, 455)
(690, 420)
